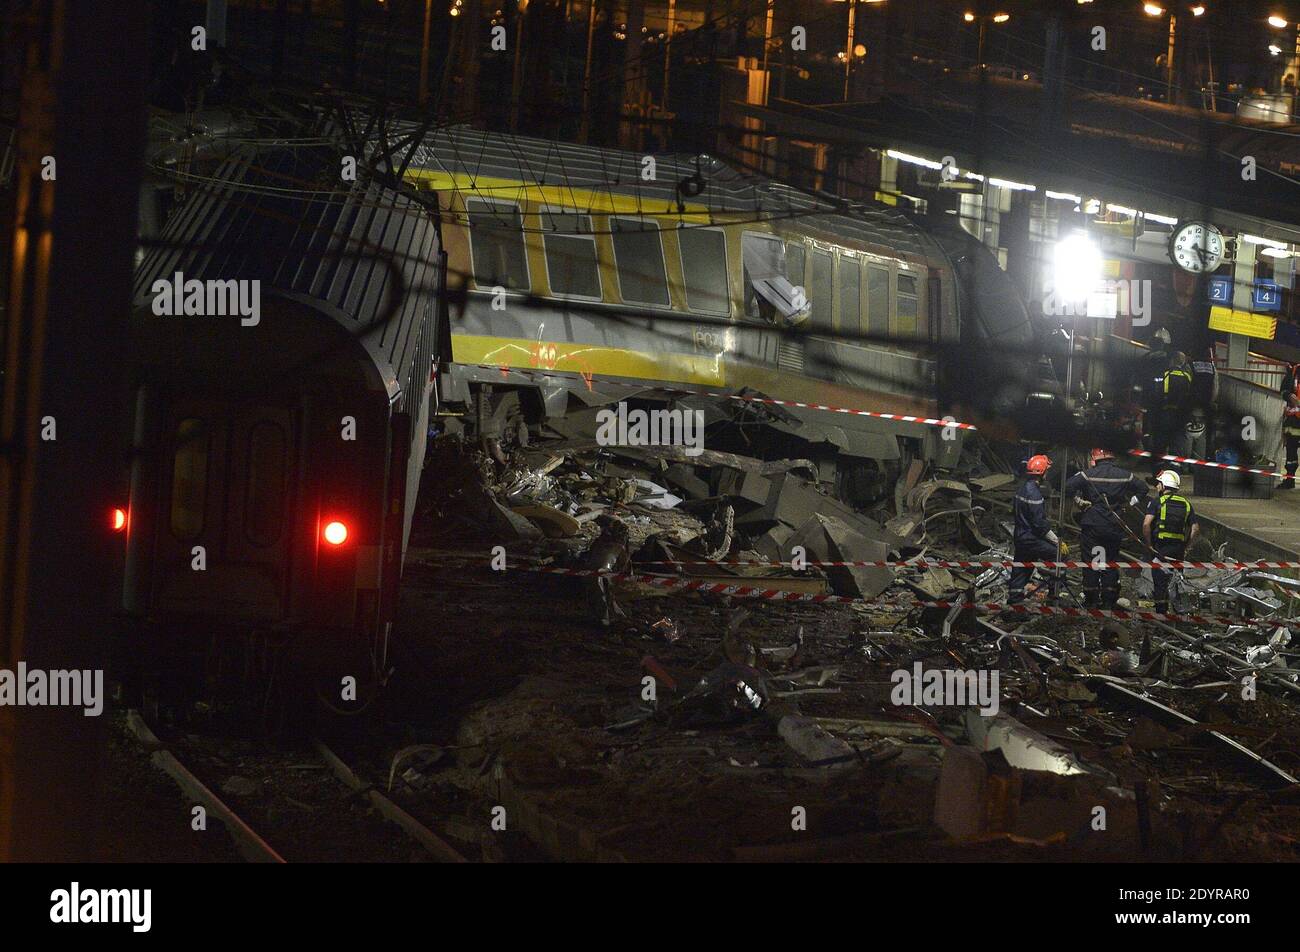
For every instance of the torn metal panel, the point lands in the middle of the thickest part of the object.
(1022, 746)
(826, 538)
(814, 743)
(1168, 715)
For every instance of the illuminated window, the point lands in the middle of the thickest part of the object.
(571, 255)
(639, 257)
(264, 499)
(704, 266)
(189, 479)
(496, 242)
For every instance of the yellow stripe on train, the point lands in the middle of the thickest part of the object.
(593, 359)
(561, 196)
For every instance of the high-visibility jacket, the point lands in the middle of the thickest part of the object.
(1177, 388)
(1174, 518)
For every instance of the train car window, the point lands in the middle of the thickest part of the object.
(639, 258)
(769, 293)
(189, 478)
(794, 263)
(877, 300)
(264, 499)
(704, 266)
(907, 304)
(496, 245)
(822, 291)
(850, 280)
(571, 255)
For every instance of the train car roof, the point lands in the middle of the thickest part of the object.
(461, 153)
(360, 252)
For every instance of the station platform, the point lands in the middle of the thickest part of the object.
(1253, 528)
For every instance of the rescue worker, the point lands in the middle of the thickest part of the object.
(1153, 369)
(1034, 539)
(1205, 379)
(1176, 395)
(1291, 424)
(1170, 526)
(1104, 488)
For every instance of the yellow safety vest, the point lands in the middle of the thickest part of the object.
(1162, 522)
(1177, 373)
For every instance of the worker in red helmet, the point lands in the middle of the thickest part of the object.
(1034, 539)
(1104, 488)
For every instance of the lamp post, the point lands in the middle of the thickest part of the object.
(584, 128)
(1076, 271)
(1155, 10)
(983, 19)
(850, 47)
(517, 83)
(1280, 22)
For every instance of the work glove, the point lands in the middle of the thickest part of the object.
(1065, 549)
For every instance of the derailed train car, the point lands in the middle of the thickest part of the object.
(584, 269)
(277, 448)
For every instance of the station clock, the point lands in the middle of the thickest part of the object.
(1196, 246)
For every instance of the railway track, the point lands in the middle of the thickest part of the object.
(255, 848)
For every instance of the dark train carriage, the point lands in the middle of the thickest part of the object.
(285, 329)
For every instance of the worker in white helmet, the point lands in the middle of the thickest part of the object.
(1170, 526)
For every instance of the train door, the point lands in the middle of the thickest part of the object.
(225, 526)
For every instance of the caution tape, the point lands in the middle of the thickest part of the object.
(706, 587)
(1205, 462)
(746, 398)
(985, 564)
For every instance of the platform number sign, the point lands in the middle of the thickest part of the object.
(1265, 295)
(1219, 290)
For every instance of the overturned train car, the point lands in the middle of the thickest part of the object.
(285, 328)
(582, 273)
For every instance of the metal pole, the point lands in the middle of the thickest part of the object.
(516, 85)
(668, 45)
(848, 47)
(1069, 397)
(424, 53)
(1169, 58)
(585, 126)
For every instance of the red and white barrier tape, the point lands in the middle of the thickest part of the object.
(778, 595)
(744, 398)
(830, 408)
(1205, 462)
(989, 564)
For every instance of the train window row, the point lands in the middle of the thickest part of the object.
(846, 292)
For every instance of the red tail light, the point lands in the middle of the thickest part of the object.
(335, 533)
(118, 520)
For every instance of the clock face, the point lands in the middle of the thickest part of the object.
(1197, 247)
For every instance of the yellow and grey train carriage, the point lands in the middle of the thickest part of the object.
(585, 268)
